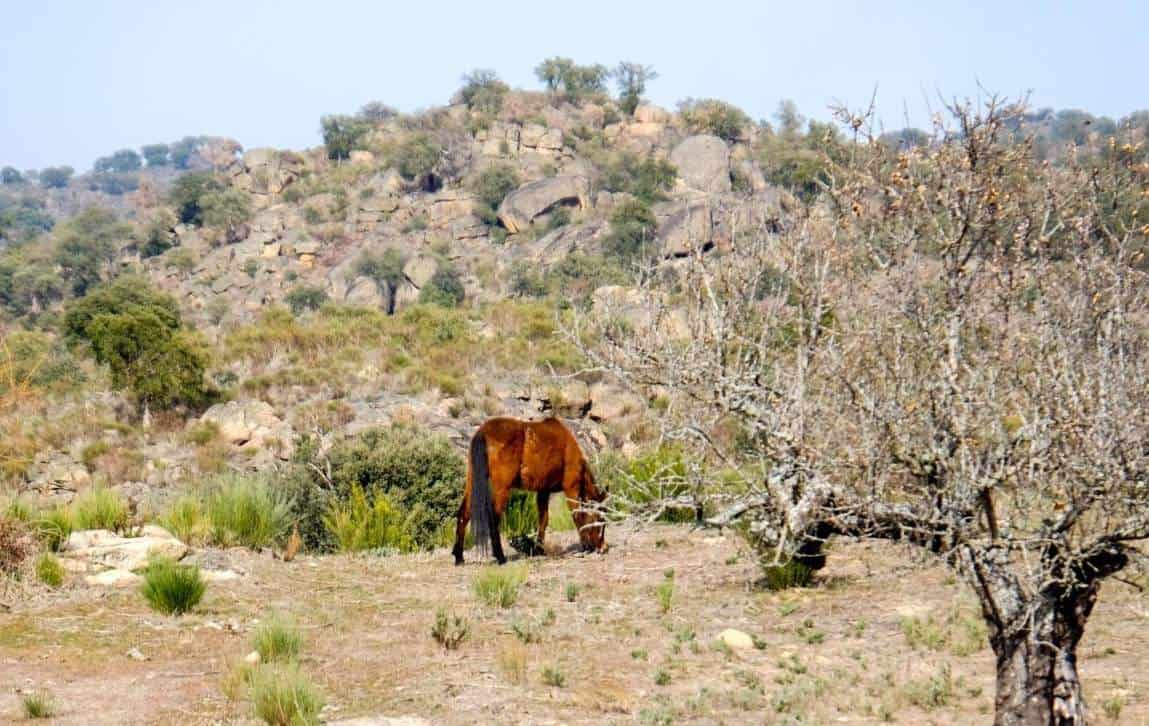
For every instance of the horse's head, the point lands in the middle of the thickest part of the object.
(588, 516)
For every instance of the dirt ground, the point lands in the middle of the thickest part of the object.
(840, 651)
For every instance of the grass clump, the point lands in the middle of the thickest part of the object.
(244, 510)
(786, 575)
(100, 508)
(662, 677)
(55, 526)
(934, 692)
(281, 695)
(665, 595)
(277, 640)
(37, 705)
(961, 631)
(499, 586)
(449, 631)
(572, 591)
(49, 570)
(512, 661)
(185, 519)
(171, 588)
(553, 676)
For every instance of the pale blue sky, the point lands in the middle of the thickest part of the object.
(80, 79)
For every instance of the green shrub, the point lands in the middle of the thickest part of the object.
(37, 705)
(19, 509)
(185, 519)
(644, 177)
(282, 695)
(226, 209)
(171, 588)
(632, 232)
(55, 527)
(449, 631)
(445, 288)
(711, 116)
(499, 586)
(343, 134)
(188, 192)
(245, 510)
(417, 471)
(491, 186)
(385, 268)
(572, 591)
(521, 517)
(358, 524)
(649, 478)
(277, 640)
(49, 570)
(553, 676)
(417, 156)
(101, 508)
(483, 91)
(305, 297)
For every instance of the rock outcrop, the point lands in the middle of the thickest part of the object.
(531, 200)
(703, 163)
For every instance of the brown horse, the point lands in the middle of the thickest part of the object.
(536, 456)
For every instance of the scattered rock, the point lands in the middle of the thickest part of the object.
(736, 639)
(113, 578)
(135, 654)
(252, 658)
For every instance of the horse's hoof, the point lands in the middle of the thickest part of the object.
(458, 561)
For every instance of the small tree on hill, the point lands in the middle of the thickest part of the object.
(55, 177)
(188, 192)
(11, 175)
(87, 244)
(491, 186)
(138, 334)
(342, 134)
(182, 151)
(576, 82)
(631, 79)
(445, 288)
(121, 161)
(711, 116)
(483, 91)
(156, 155)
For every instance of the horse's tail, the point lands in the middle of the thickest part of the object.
(482, 506)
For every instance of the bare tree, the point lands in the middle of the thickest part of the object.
(947, 348)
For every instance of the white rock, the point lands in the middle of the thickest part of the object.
(99, 549)
(736, 639)
(113, 578)
(252, 658)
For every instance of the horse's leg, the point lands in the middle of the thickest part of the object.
(502, 496)
(572, 492)
(544, 503)
(461, 520)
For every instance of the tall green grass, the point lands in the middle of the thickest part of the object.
(358, 524)
(186, 520)
(101, 508)
(281, 695)
(244, 510)
(499, 586)
(277, 640)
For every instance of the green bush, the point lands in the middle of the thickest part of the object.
(498, 586)
(277, 640)
(644, 177)
(632, 231)
(282, 695)
(420, 473)
(245, 510)
(171, 588)
(156, 154)
(101, 508)
(86, 244)
(711, 116)
(491, 186)
(138, 333)
(49, 570)
(445, 288)
(785, 575)
(417, 156)
(632, 79)
(55, 177)
(648, 478)
(385, 268)
(226, 209)
(483, 91)
(343, 134)
(188, 192)
(305, 297)
(576, 82)
(358, 524)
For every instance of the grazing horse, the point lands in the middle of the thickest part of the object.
(536, 456)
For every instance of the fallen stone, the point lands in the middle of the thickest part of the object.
(736, 639)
